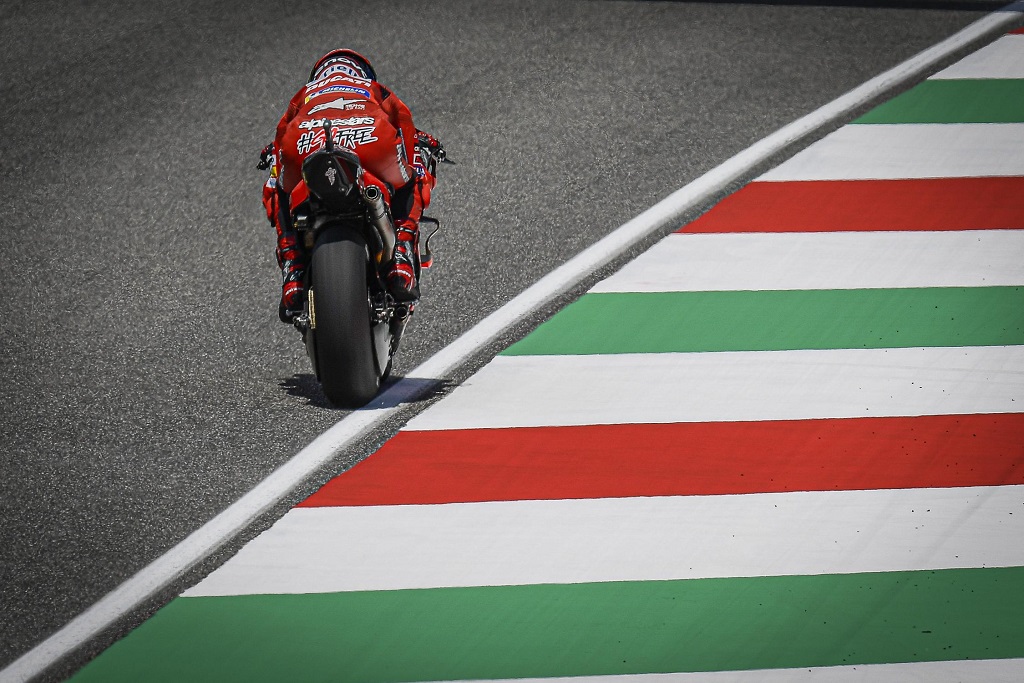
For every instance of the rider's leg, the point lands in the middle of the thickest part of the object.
(293, 260)
(291, 257)
(407, 208)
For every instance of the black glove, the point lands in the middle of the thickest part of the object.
(431, 145)
(265, 157)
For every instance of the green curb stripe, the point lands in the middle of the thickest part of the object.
(954, 101)
(663, 322)
(579, 629)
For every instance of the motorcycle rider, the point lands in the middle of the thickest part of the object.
(372, 121)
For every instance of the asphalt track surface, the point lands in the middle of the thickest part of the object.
(145, 381)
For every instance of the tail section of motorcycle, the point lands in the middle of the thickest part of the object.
(351, 325)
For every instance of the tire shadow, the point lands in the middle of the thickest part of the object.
(397, 390)
(304, 385)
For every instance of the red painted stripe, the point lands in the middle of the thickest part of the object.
(845, 205)
(684, 459)
(1017, 31)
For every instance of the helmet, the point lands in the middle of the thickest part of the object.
(349, 57)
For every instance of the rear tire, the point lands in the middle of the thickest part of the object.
(344, 341)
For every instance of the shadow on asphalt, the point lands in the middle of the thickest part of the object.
(413, 390)
(304, 385)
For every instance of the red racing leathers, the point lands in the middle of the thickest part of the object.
(367, 118)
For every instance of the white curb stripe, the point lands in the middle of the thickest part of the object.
(901, 150)
(978, 671)
(1004, 58)
(169, 567)
(732, 386)
(506, 543)
(685, 262)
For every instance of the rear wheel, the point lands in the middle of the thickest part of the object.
(344, 341)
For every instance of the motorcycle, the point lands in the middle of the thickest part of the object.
(351, 325)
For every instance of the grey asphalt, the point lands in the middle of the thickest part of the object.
(145, 382)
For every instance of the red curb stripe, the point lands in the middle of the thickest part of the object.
(718, 458)
(868, 205)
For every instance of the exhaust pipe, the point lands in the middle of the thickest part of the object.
(381, 220)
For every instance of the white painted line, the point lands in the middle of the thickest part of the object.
(149, 581)
(698, 262)
(884, 151)
(662, 538)
(732, 386)
(1004, 58)
(977, 670)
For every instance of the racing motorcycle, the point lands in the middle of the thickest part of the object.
(350, 324)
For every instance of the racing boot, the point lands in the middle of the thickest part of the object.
(402, 282)
(292, 259)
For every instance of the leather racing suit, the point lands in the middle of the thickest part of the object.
(370, 120)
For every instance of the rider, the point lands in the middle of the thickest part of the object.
(371, 120)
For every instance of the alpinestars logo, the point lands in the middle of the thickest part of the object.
(338, 123)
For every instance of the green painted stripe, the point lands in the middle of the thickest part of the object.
(663, 322)
(954, 101)
(579, 629)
